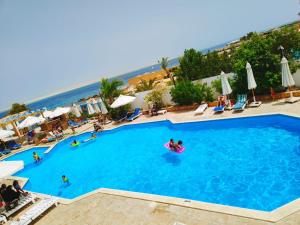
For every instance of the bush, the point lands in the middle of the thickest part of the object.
(187, 93)
(155, 98)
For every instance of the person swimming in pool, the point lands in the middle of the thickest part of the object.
(178, 146)
(93, 136)
(65, 179)
(75, 143)
(172, 144)
(36, 157)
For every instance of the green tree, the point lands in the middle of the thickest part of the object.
(265, 65)
(17, 108)
(144, 85)
(110, 89)
(190, 65)
(164, 65)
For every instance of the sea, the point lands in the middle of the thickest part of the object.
(74, 95)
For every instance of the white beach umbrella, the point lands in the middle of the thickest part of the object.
(226, 89)
(31, 121)
(75, 110)
(60, 111)
(287, 79)
(6, 133)
(47, 113)
(251, 81)
(95, 105)
(90, 109)
(122, 100)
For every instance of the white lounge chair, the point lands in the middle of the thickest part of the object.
(292, 99)
(35, 211)
(161, 112)
(25, 200)
(255, 104)
(201, 109)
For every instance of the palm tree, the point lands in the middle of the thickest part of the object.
(144, 85)
(164, 65)
(110, 89)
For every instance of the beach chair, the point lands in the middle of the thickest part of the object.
(201, 109)
(292, 99)
(219, 109)
(24, 200)
(13, 145)
(134, 115)
(4, 151)
(73, 124)
(35, 211)
(241, 103)
(121, 118)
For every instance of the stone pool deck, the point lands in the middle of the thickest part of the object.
(108, 209)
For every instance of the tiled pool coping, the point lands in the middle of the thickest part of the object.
(273, 216)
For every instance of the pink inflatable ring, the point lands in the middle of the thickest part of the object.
(180, 150)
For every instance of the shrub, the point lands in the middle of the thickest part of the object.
(155, 98)
(187, 93)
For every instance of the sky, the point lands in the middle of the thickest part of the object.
(47, 46)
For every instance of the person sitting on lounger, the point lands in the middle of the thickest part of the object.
(36, 157)
(221, 101)
(18, 188)
(11, 201)
(97, 127)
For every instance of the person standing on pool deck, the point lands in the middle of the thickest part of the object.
(36, 157)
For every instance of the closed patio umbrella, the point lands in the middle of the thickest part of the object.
(251, 81)
(75, 110)
(122, 100)
(287, 79)
(95, 105)
(90, 109)
(226, 89)
(102, 107)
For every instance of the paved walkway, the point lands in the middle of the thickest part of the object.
(105, 209)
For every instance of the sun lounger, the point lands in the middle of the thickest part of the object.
(241, 103)
(134, 115)
(121, 118)
(162, 111)
(220, 108)
(4, 151)
(292, 99)
(201, 109)
(13, 145)
(24, 200)
(73, 124)
(35, 211)
(255, 104)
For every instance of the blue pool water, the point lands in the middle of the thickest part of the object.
(250, 162)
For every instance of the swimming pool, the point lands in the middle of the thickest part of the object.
(251, 162)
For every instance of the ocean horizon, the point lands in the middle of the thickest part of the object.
(69, 97)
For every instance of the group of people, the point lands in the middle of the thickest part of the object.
(97, 126)
(10, 194)
(175, 146)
